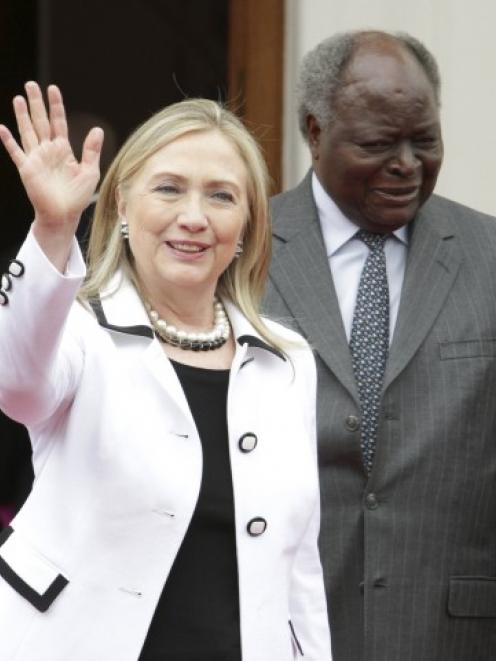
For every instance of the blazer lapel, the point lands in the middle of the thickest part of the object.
(300, 272)
(434, 259)
(121, 311)
(164, 373)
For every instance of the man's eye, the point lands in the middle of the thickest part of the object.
(425, 140)
(375, 144)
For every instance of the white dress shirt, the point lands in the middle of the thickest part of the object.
(347, 255)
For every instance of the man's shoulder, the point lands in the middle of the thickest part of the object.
(281, 199)
(475, 230)
(295, 200)
(442, 207)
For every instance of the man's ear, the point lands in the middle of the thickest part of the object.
(313, 132)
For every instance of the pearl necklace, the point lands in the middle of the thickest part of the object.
(207, 341)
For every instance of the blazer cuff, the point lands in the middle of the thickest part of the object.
(32, 253)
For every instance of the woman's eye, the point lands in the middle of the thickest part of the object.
(167, 189)
(223, 196)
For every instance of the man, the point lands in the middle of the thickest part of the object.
(402, 317)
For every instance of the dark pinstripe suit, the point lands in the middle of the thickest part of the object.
(410, 554)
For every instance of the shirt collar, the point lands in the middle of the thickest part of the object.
(337, 229)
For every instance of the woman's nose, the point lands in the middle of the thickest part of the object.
(192, 216)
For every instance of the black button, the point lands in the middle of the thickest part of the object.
(371, 501)
(256, 526)
(352, 423)
(6, 282)
(4, 299)
(248, 442)
(16, 268)
(362, 587)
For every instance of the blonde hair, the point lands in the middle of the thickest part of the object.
(243, 282)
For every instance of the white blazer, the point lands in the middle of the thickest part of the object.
(118, 464)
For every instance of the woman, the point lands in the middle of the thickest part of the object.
(175, 508)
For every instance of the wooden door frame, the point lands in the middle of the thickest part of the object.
(255, 74)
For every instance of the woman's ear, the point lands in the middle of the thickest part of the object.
(120, 201)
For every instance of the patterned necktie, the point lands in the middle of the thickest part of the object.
(369, 342)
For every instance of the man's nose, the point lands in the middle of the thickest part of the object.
(405, 162)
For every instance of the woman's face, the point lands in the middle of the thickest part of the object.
(186, 210)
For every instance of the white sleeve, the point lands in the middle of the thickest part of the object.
(308, 608)
(39, 362)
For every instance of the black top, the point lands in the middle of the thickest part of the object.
(197, 616)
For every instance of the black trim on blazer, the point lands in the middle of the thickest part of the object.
(253, 341)
(146, 331)
(143, 331)
(5, 534)
(41, 602)
(295, 638)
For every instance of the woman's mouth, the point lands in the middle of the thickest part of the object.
(187, 247)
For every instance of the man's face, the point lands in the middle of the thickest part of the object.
(379, 159)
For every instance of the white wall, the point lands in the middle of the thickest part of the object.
(460, 34)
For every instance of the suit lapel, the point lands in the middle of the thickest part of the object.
(300, 272)
(434, 259)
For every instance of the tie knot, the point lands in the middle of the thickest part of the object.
(371, 239)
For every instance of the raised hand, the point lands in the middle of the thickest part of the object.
(58, 186)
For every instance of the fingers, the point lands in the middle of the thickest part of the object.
(58, 121)
(37, 109)
(92, 147)
(13, 149)
(33, 122)
(28, 136)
